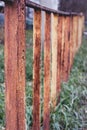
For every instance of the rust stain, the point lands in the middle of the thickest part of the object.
(15, 65)
(47, 73)
(36, 69)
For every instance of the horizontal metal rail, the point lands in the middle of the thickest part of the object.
(44, 8)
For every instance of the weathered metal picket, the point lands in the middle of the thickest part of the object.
(47, 74)
(63, 35)
(15, 65)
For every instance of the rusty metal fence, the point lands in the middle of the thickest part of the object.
(63, 36)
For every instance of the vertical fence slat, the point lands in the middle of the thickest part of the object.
(15, 65)
(71, 43)
(62, 47)
(66, 54)
(75, 34)
(54, 38)
(36, 69)
(67, 48)
(47, 57)
(80, 30)
(83, 22)
(59, 56)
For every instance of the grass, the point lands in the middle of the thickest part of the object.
(1, 86)
(71, 112)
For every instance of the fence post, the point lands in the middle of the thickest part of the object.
(47, 74)
(36, 69)
(54, 39)
(15, 65)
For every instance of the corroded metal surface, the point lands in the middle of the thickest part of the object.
(47, 71)
(54, 38)
(15, 65)
(36, 69)
(59, 56)
(40, 7)
(65, 50)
